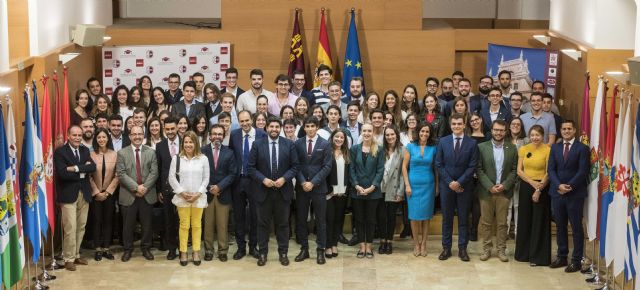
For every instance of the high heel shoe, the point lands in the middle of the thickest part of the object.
(416, 250)
(196, 259)
(423, 249)
(183, 259)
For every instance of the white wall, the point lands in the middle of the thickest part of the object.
(49, 20)
(507, 9)
(601, 24)
(170, 9)
(4, 37)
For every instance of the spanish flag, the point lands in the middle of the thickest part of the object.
(324, 51)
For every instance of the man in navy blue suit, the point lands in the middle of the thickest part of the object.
(314, 154)
(568, 171)
(456, 159)
(241, 141)
(273, 162)
(223, 170)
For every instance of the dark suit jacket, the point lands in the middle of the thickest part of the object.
(235, 144)
(210, 112)
(68, 184)
(574, 171)
(225, 175)
(238, 93)
(503, 114)
(163, 155)
(197, 109)
(315, 168)
(456, 167)
(173, 99)
(486, 170)
(366, 172)
(260, 166)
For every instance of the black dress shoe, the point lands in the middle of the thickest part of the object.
(239, 254)
(254, 253)
(262, 260)
(222, 257)
(320, 257)
(303, 255)
(446, 254)
(389, 249)
(462, 253)
(382, 248)
(354, 240)
(108, 255)
(147, 254)
(208, 256)
(342, 239)
(126, 256)
(334, 255)
(284, 261)
(558, 263)
(473, 237)
(98, 256)
(573, 267)
(172, 255)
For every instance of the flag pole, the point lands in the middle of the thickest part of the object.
(45, 276)
(28, 265)
(596, 281)
(590, 271)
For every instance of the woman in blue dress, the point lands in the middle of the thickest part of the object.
(420, 184)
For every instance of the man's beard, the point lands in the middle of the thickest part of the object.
(484, 90)
(87, 137)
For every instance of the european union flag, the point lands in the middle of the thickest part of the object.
(352, 62)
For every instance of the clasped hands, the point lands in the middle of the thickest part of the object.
(190, 196)
(364, 191)
(455, 186)
(498, 188)
(278, 183)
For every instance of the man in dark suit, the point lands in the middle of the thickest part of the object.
(231, 76)
(213, 107)
(165, 150)
(222, 165)
(568, 171)
(188, 106)
(137, 168)
(495, 110)
(241, 141)
(173, 94)
(456, 159)
(315, 160)
(73, 165)
(273, 163)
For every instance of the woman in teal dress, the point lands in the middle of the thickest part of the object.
(420, 184)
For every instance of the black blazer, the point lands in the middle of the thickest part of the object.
(315, 168)
(332, 178)
(210, 112)
(68, 184)
(238, 93)
(163, 155)
(503, 114)
(236, 141)
(225, 175)
(260, 166)
(574, 171)
(197, 109)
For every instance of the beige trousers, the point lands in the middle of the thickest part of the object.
(74, 219)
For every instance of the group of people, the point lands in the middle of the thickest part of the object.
(258, 160)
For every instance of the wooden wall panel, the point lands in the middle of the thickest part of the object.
(473, 64)
(18, 26)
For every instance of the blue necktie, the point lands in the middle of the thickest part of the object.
(245, 154)
(274, 160)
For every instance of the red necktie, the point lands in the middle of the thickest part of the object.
(138, 168)
(309, 149)
(216, 152)
(565, 154)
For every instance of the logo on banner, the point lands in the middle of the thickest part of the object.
(108, 54)
(127, 53)
(224, 50)
(224, 67)
(128, 73)
(139, 62)
(116, 81)
(182, 52)
(108, 73)
(216, 59)
(223, 84)
(551, 82)
(165, 80)
(182, 69)
(204, 51)
(116, 63)
(193, 60)
(108, 90)
(205, 69)
(216, 76)
(165, 61)
(150, 70)
(149, 53)
(553, 59)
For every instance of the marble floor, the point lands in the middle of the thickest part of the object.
(401, 270)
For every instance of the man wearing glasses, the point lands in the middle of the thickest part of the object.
(174, 94)
(282, 97)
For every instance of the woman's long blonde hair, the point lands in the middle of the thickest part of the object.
(194, 138)
(373, 145)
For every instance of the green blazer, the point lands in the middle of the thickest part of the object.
(366, 171)
(486, 169)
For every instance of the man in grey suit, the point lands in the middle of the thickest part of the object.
(188, 106)
(137, 168)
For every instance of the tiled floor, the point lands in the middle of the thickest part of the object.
(397, 271)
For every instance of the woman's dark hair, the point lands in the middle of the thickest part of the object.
(255, 117)
(115, 105)
(431, 141)
(95, 139)
(323, 121)
(415, 107)
(151, 120)
(345, 145)
(536, 128)
(293, 111)
(153, 105)
(125, 129)
(406, 122)
(182, 116)
(385, 144)
(521, 135)
(436, 109)
(194, 125)
(140, 102)
(150, 82)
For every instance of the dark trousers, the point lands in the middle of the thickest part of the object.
(335, 219)
(319, 203)
(387, 219)
(364, 211)
(138, 210)
(103, 212)
(273, 209)
(475, 213)
(568, 208)
(241, 198)
(450, 202)
(171, 223)
(533, 242)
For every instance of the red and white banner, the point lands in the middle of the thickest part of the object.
(124, 65)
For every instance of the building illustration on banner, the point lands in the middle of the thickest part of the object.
(519, 68)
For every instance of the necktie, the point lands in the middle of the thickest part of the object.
(75, 152)
(174, 151)
(245, 154)
(274, 160)
(565, 154)
(216, 152)
(457, 147)
(138, 168)
(309, 149)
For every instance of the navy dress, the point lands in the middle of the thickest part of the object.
(422, 182)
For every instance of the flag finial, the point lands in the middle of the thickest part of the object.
(353, 9)
(322, 9)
